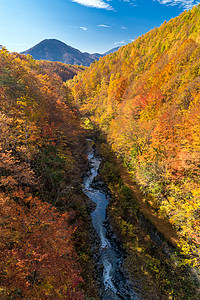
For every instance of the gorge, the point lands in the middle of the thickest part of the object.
(114, 285)
(120, 220)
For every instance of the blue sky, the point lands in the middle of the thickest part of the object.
(88, 25)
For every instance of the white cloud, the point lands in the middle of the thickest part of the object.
(75, 26)
(84, 28)
(124, 42)
(186, 4)
(120, 43)
(72, 26)
(131, 2)
(94, 3)
(124, 27)
(102, 25)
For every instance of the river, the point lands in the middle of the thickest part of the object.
(114, 284)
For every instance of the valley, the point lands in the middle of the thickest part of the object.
(99, 168)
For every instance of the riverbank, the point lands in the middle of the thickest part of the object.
(149, 254)
(112, 282)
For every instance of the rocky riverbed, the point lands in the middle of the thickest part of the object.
(113, 280)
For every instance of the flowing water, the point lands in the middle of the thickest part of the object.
(114, 284)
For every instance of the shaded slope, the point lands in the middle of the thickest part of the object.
(66, 72)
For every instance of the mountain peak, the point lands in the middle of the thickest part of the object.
(55, 50)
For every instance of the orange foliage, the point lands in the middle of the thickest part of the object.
(41, 146)
(147, 102)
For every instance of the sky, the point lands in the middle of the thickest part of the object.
(93, 26)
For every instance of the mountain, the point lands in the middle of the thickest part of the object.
(111, 51)
(146, 100)
(55, 50)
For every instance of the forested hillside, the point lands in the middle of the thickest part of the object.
(66, 72)
(146, 100)
(42, 157)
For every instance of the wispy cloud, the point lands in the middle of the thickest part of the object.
(124, 27)
(94, 3)
(186, 4)
(103, 25)
(124, 42)
(131, 2)
(120, 43)
(84, 28)
(72, 26)
(75, 26)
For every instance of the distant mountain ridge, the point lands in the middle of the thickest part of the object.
(111, 51)
(55, 50)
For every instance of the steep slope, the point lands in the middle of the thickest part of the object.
(146, 99)
(55, 50)
(42, 158)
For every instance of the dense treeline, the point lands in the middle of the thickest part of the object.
(66, 72)
(146, 99)
(41, 161)
(159, 275)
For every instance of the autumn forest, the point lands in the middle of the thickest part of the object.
(141, 105)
